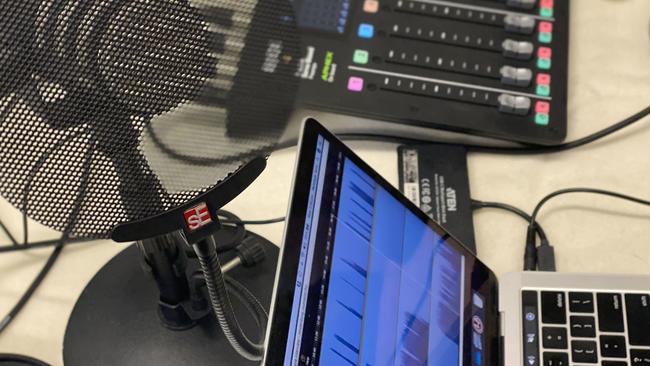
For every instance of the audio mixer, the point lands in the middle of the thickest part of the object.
(495, 68)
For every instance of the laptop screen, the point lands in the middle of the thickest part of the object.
(375, 284)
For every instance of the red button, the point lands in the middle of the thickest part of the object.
(546, 27)
(543, 79)
(544, 52)
(546, 4)
(542, 107)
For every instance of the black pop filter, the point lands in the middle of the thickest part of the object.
(109, 108)
(125, 111)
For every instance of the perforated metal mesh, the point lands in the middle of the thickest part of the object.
(116, 110)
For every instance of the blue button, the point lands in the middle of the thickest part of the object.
(366, 30)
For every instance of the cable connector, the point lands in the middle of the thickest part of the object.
(251, 252)
(530, 253)
(546, 257)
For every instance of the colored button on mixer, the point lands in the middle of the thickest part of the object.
(544, 63)
(371, 6)
(366, 31)
(546, 4)
(545, 27)
(355, 84)
(546, 12)
(541, 119)
(545, 38)
(361, 57)
(543, 90)
(543, 79)
(542, 107)
(544, 52)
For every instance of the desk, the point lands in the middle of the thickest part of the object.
(609, 80)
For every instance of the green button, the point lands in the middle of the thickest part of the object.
(361, 57)
(546, 12)
(541, 119)
(543, 90)
(544, 63)
(545, 37)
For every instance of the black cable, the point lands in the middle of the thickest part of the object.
(203, 161)
(72, 217)
(232, 221)
(25, 228)
(534, 149)
(21, 360)
(8, 233)
(585, 190)
(32, 287)
(476, 205)
(521, 150)
(256, 222)
(41, 245)
(518, 150)
(545, 255)
(530, 251)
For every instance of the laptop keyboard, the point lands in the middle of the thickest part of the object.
(577, 328)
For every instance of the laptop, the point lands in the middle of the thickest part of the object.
(365, 278)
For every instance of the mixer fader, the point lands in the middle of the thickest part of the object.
(495, 68)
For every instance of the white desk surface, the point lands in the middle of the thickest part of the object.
(609, 80)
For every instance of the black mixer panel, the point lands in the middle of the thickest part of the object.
(496, 68)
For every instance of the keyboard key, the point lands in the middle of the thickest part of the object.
(614, 363)
(554, 338)
(610, 313)
(581, 302)
(556, 359)
(583, 326)
(584, 352)
(638, 319)
(613, 346)
(531, 330)
(640, 357)
(553, 307)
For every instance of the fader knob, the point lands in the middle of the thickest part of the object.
(521, 4)
(514, 104)
(516, 23)
(520, 50)
(516, 76)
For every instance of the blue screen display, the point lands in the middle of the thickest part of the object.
(323, 15)
(376, 285)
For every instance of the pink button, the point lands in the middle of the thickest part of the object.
(543, 79)
(546, 4)
(542, 107)
(371, 6)
(355, 84)
(546, 27)
(544, 52)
